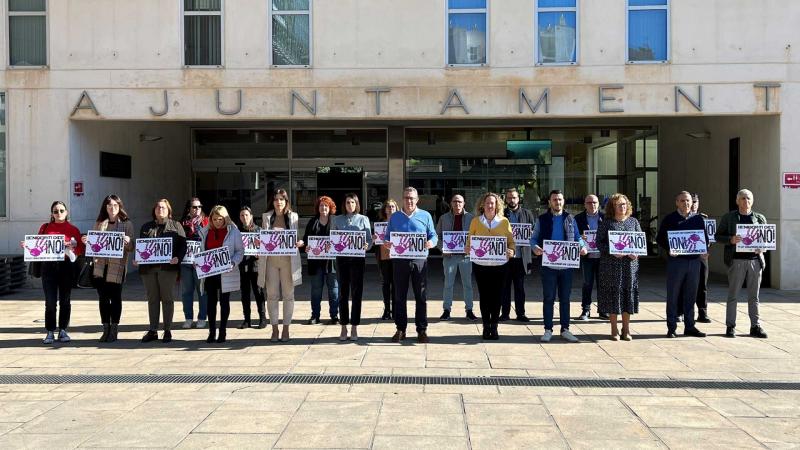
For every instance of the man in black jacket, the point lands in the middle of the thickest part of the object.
(683, 271)
(518, 265)
(589, 220)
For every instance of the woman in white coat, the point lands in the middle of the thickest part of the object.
(279, 275)
(221, 232)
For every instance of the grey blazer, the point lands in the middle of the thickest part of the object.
(445, 223)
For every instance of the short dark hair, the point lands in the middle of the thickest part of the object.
(695, 197)
(554, 192)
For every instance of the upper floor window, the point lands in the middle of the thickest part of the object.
(202, 32)
(3, 158)
(467, 26)
(648, 31)
(27, 32)
(291, 32)
(557, 31)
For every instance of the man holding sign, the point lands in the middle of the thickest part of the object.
(683, 264)
(588, 221)
(455, 223)
(742, 266)
(556, 225)
(411, 219)
(521, 220)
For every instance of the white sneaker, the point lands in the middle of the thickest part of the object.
(547, 336)
(63, 336)
(201, 324)
(49, 338)
(187, 324)
(566, 335)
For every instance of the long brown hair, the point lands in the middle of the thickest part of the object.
(123, 216)
(281, 193)
(388, 202)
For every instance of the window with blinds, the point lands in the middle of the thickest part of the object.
(202, 32)
(27, 33)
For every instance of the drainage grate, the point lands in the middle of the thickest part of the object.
(387, 379)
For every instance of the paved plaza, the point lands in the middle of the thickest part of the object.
(352, 412)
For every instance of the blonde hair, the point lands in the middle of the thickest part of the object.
(387, 203)
(221, 211)
(501, 205)
(611, 206)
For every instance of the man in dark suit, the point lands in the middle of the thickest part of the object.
(589, 220)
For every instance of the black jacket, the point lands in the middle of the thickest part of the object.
(676, 222)
(315, 228)
(583, 222)
(172, 228)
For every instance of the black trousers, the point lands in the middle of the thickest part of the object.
(415, 271)
(351, 285)
(387, 283)
(702, 289)
(515, 275)
(213, 287)
(110, 299)
(490, 280)
(249, 282)
(57, 285)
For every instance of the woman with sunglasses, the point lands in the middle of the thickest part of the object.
(57, 276)
(193, 221)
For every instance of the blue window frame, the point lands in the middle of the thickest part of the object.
(556, 23)
(648, 31)
(467, 32)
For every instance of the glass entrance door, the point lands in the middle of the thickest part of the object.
(235, 188)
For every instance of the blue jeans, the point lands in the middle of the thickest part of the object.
(452, 265)
(318, 280)
(556, 280)
(189, 286)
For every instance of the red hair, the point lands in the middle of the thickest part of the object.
(325, 200)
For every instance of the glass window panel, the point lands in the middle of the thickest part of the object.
(339, 144)
(651, 196)
(639, 153)
(203, 40)
(290, 5)
(28, 40)
(646, 2)
(466, 4)
(467, 39)
(3, 158)
(290, 40)
(557, 37)
(27, 5)
(651, 152)
(647, 35)
(556, 3)
(244, 144)
(605, 160)
(202, 5)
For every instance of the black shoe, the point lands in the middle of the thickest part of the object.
(445, 315)
(422, 337)
(211, 337)
(313, 321)
(523, 318)
(106, 330)
(487, 332)
(112, 333)
(702, 317)
(730, 332)
(167, 337)
(245, 324)
(387, 315)
(262, 321)
(671, 334)
(503, 318)
(603, 316)
(399, 336)
(471, 315)
(333, 321)
(221, 337)
(584, 316)
(493, 332)
(150, 336)
(694, 332)
(758, 332)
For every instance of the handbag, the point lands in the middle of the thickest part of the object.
(86, 276)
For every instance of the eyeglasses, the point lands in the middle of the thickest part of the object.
(59, 211)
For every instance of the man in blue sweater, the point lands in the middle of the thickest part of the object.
(410, 219)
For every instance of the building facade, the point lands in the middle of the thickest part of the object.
(232, 99)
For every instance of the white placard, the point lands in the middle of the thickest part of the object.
(687, 242)
(44, 247)
(213, 262)
(252, 244)
(380, 231)
(192, 249)
(522, 234)
(453, 242)
(627, 243)
(105, 244)
(319, 247)
(488, 249)
(561, 254)
(154, 250)
(711, 229)
(348, 243)
(756, 237)
(408, 245)
(591, 241)
(279, 242)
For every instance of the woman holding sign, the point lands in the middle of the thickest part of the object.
(221, 232)
(109, 272)
(322, 271)
(57, 276)
(619, 274)
(490, 273)
(248, 274)
(280, 274)
(385, 264)
(351, 268)
(160, 278)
